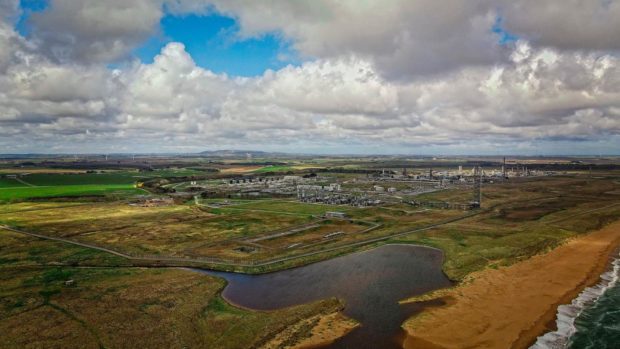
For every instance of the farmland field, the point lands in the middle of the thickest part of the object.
(41, 179)
(10, 183)
(41, 185)
(16, 193)
(284, 168)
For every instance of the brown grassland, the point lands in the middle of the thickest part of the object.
(111, 303)
(122, 307)
(191, 231)
(520, 219)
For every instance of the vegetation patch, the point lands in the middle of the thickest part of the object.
(167, 307)
(11, 194)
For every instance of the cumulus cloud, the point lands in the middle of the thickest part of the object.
(9, 9)
(173, 85)
(91, 31)
(411, 38)
(566, 24)
(343, 86)
(409, 75)
(9, 40)
(404, 38)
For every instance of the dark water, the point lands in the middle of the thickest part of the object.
(590, 321)
(371, 283)
(598, 327)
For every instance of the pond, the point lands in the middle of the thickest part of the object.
(371, 283)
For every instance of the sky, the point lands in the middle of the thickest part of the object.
(479, 77)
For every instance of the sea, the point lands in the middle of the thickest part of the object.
(592, 320)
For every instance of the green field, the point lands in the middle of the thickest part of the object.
(285, 168)
(10, 183)
(107, 177)
(17, 193)
(42, 185)
(52, 179)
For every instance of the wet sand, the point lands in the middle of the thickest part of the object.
(325, 329)
(328, 329)
(510, 307)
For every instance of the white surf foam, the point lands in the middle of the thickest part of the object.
(567, 313)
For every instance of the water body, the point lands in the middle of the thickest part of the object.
(592, 320)
(371, 283)
(598, 326)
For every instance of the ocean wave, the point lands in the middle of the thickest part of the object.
(567, 313)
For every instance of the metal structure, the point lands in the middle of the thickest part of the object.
(477, 184)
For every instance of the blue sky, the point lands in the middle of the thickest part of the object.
(505, 37)
(212, 40)
(213, 43)
(29, 6)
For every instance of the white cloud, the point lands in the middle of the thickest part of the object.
(91, 31)
(342, 86)
(403, 38)
(410, 75)
(171, 86)
(565, 24)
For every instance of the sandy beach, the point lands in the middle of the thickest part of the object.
(510, 307)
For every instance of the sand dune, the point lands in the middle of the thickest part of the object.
(509, 307)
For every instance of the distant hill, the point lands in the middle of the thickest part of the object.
(229, 153)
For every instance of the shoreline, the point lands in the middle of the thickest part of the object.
(583, 301)
(512, 306)
(318, 331)
(547, 323)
